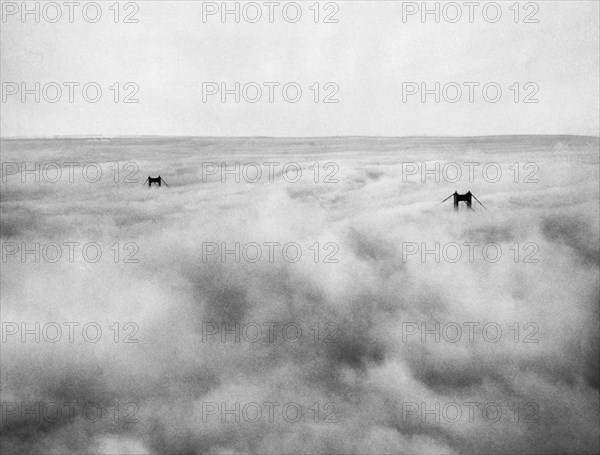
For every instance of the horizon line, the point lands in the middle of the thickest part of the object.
(167, 136)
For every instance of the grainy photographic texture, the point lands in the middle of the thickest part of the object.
(305, 227)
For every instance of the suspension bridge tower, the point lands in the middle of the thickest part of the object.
(466, 198)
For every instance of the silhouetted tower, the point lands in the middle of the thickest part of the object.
(467, 198)
(156, 181)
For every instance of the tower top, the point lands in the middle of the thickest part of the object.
(467, 198)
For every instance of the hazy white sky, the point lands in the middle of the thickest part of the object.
(369, 53)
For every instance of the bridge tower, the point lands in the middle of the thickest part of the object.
(467, 198)
(155, 181)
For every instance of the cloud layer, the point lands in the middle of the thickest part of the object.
(375, 369)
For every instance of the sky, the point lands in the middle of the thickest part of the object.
(365, 57)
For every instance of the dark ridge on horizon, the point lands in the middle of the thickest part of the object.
(429, 137)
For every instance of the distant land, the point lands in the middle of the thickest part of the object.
(150, 136)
